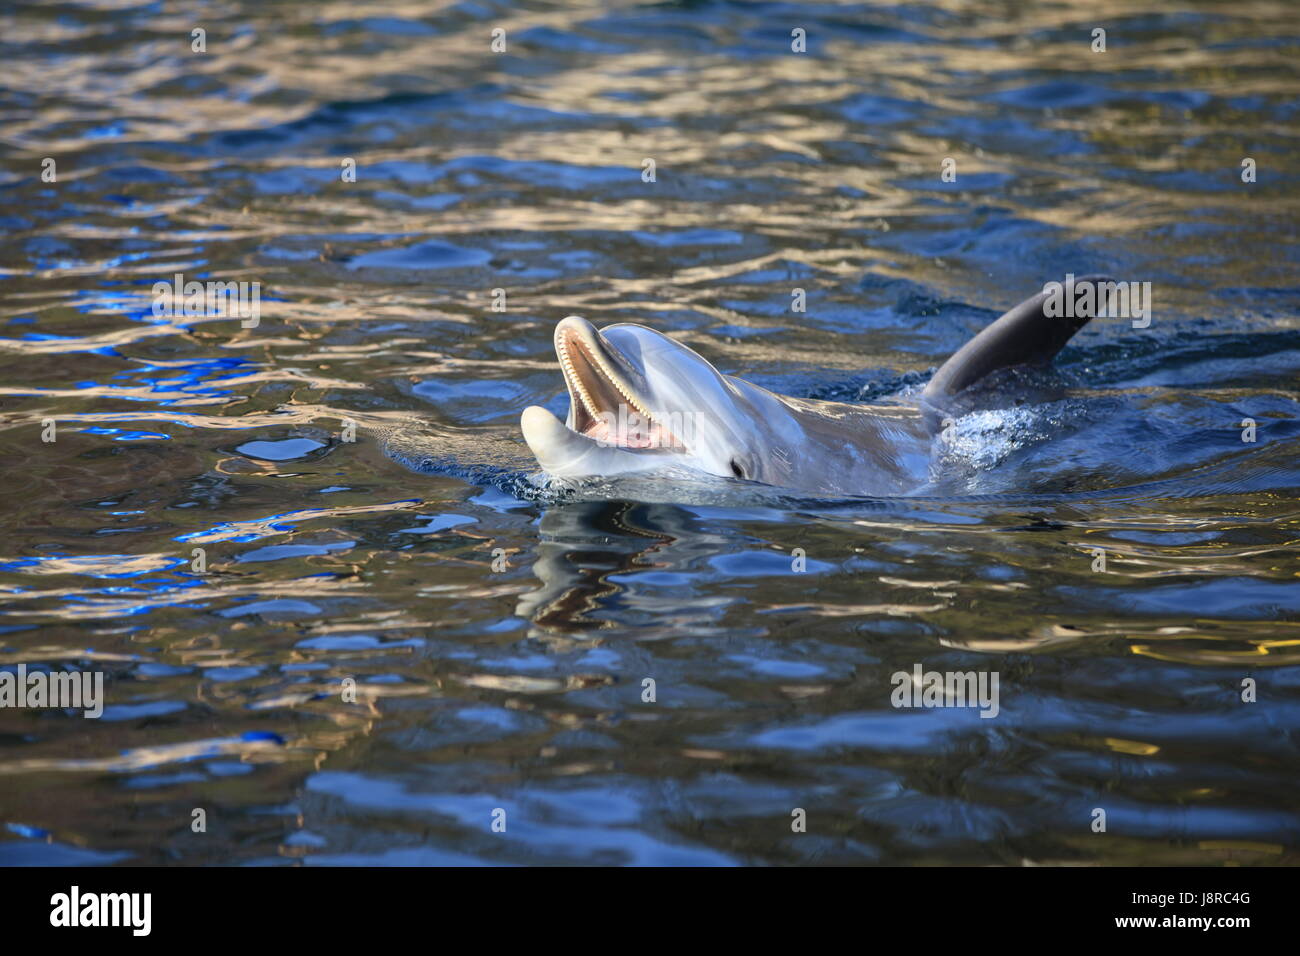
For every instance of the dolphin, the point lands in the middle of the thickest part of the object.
(643, 403)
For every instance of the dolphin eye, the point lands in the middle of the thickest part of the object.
(737, 469)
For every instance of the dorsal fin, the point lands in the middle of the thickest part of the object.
(1022, 336)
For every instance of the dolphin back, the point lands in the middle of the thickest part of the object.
(1023, 336)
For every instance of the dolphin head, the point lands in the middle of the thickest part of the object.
(642, 402)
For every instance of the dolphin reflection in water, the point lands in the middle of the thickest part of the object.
(642, 403)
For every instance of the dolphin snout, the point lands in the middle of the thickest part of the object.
(575, 325)
(557, 448)
(564, 453)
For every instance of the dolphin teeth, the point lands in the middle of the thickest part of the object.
(610, 376)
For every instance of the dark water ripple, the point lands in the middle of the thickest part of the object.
(521, 688)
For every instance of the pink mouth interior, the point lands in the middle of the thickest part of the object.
(618, 424)
(632, 431)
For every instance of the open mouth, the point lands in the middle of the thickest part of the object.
(605, 405)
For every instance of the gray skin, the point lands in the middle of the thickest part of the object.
(711, 424)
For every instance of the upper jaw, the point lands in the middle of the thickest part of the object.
(606, 394)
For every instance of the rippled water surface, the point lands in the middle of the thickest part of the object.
(522, 688)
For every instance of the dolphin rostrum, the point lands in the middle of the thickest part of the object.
(642, 403)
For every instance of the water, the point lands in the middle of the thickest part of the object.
(521, 689)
